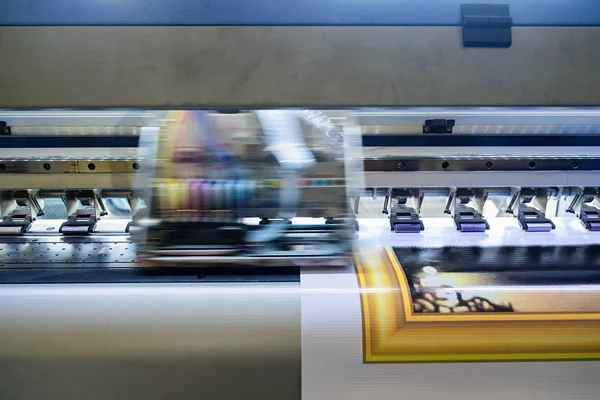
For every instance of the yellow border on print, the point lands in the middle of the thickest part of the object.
(392, 333)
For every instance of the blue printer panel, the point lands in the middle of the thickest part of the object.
(288, 12)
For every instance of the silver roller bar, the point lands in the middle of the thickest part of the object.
(65, 122)
(484, 120)
(480, 152)
(486, 179)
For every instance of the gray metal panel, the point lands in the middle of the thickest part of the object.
(151, 341)
(293, 66)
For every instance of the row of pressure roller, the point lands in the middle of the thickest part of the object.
(232, 195)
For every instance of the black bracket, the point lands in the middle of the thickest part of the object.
(83, 222)
(20, 219)
(4, 128)
(405, 219)
(467, 219)
(532, 220)
(18, 222)
(590, 219)
(438, 126)
(486, 25)
(78, 228)
(585, 207)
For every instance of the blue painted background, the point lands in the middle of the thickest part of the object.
(285, 12)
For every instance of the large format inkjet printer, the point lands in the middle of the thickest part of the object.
(280, 186)
(164, 165)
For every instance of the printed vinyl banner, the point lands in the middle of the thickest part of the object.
(479, 304)
(446, 316)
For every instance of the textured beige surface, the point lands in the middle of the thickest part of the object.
(293, 66)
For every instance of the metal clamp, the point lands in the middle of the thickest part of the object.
(529, 205)
(133, 198)
(4, 128)
(590, 220)
(532, 220)
(19, 209)
(82, 221)
(405, 219)
(586, 207)
(466, 208)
